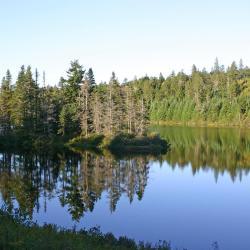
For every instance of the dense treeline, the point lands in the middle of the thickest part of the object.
(76, 106)
(220, 96)
(79, 105)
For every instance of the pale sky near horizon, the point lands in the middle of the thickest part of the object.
(130, 37)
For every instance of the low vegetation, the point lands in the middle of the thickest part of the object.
(91, 142)
(128, 143)
(17, 233)
(121, 144)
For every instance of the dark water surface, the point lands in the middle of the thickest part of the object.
(195, 195)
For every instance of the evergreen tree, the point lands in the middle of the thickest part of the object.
(5, 104)
(85, 99)
(25, 101)
(216, 67)
(91, 78)
(69, 117)
(98, 102)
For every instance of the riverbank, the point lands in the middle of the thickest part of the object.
(17, 233)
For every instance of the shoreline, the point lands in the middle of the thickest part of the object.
(201, 124)
(16, 232)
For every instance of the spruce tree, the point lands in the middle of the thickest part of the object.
(5, 104)
(69, 117)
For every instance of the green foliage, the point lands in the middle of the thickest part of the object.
(68, 118)
(218, 149)
(91, 142)
(128, 143)
(6, 103)
(80, 106)
(18, 233)
(25, 102)
(71, 85)
(121, 144)
(219, 97)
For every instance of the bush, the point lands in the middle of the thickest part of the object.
(93, 141)
(18, 234)
(128, 143)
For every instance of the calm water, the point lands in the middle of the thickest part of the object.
(196, 194)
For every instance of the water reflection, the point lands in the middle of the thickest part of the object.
(77, 179)
(216, 149)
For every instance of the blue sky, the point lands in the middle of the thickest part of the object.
(130, 37)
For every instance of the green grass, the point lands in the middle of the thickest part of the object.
(92, 142)
(16, 233)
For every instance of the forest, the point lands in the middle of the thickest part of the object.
(78, 105)
(220, 96)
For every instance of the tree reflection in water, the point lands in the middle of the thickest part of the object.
(218, 149)
(80, 178)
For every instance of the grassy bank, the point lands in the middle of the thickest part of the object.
(91, 142)
(122, 143)
(16, 233)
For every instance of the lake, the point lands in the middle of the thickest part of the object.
(197, 195)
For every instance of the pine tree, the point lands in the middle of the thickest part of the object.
(98, 111)
(88, 102)
(85, 107)
(114, 109)
(69, 117)
(91, 79)
(5, 104)
(25, 102)
(49, 110)
(143, 117)
(31, 101)
(130, 105)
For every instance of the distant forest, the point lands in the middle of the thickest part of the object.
(79, 105)
(220, 96)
